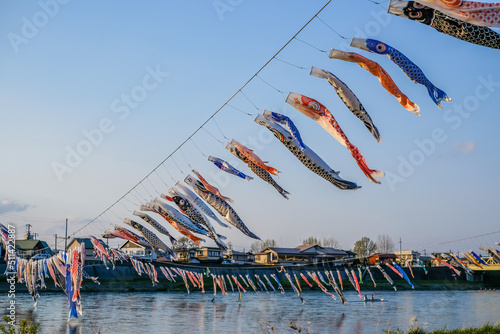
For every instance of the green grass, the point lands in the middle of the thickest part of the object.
(24, 327)
(486, 329)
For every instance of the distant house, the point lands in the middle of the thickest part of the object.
(136, 250)
(350, 255)
(240, 257)
(407, 255)
(29, 248)
(89, 249)
(378, 258)
(303, 254)
(182, 255)
(206, 254)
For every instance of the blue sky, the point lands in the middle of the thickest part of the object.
(88, 65)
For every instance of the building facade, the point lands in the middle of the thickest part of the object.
(300, 255)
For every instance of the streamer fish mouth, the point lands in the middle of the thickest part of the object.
(360, 43)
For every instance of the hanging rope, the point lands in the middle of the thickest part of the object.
(168, 173)
(218, 127)
(212, 136)
(175, 163)
(142, 184)
(244, 112)
(125, 206)
(250, 101)
(136, 204)
(285, 62)
(158, 174)
(331, 28)
(192, 141)
(267, 83)
(312, 46)
(152, 185)
(185, 158)
(215, 113)
(142, 198)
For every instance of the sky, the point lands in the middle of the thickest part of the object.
(94, 96)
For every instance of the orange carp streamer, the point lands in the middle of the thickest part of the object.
(383, 77)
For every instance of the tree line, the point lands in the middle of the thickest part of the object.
(363, 247)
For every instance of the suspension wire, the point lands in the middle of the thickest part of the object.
(115, 214)
(165, 167)
(215, 113)
(331, 28)
(250, 101)
(142, 184)
(244, 112)
(185, 158)
(175, 163)
(141, 199)
(125, 206)
(468, 238)
(218, 127)
(213, 136)
(125, 198)
(152, 185)
(267, 83)
(109, 220)
(162, 180)
(192, 141)
(310, 45)
(105, 224)
(297, 66)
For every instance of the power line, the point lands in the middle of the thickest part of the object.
(449, 242)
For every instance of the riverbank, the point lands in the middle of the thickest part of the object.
(486, 329)
(124, 278)
(145, 285)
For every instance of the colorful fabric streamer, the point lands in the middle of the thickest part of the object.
(319, 113)
(383, 77)
(446, 24)
(256, 165)
(411, 70)
(226, 167)
(306, 155)
(479, 13)
(349, 98)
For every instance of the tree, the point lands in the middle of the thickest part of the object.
(330, 242)
(385, 244)
(260, 245)
(183, 244)
(364, 247)
(325, 242)
(311, 241)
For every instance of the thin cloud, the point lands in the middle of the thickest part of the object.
(466, 147)
(12, 206)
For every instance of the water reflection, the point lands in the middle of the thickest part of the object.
(260, 313)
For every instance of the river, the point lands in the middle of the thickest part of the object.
(167, 312)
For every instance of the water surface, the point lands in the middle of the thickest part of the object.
(167, 312)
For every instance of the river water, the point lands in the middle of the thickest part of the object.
(167, 312)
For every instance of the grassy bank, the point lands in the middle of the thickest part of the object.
(486, 329)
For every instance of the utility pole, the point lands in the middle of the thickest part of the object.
(400, 251)
(28, 232)
(66, 236)
(55, 244)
